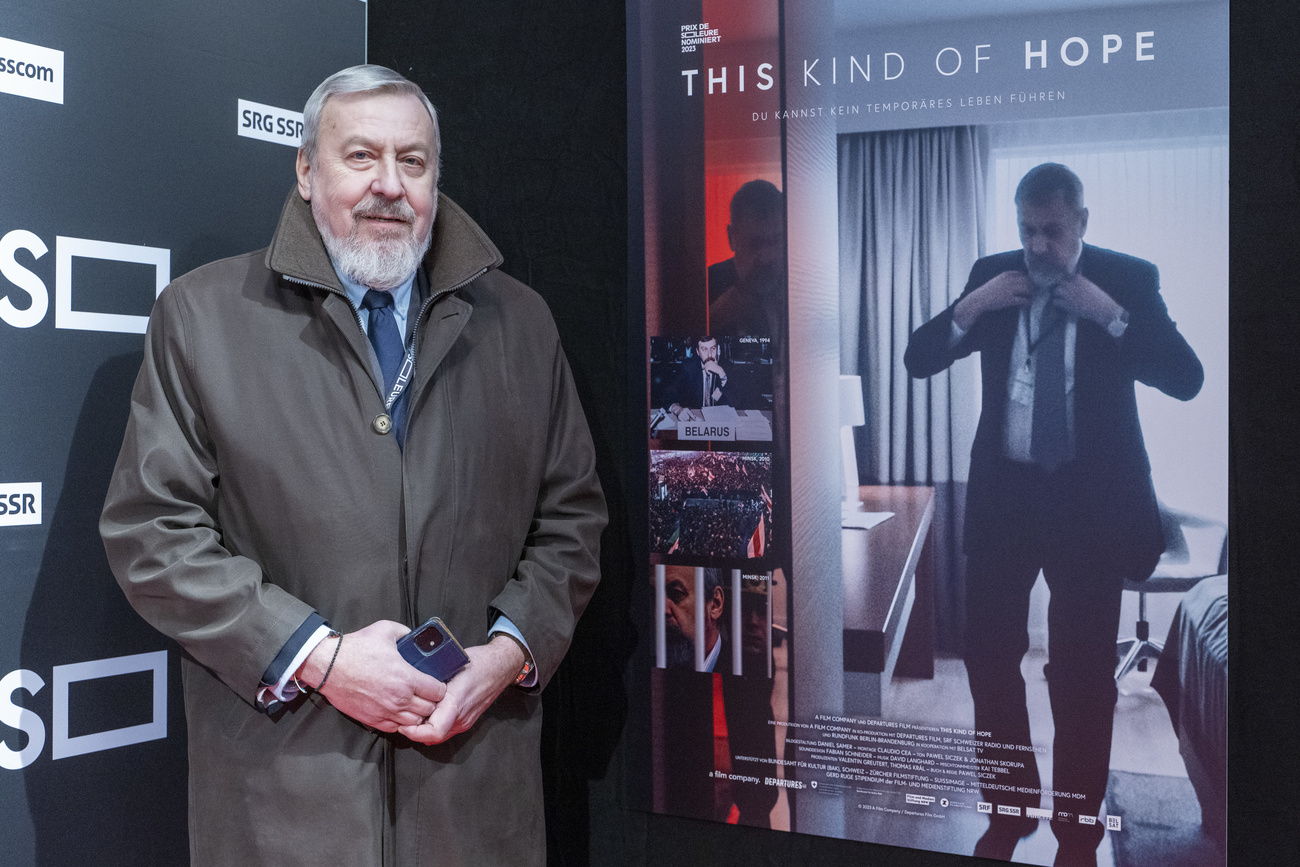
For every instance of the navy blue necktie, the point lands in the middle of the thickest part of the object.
(387, 343)
(1049, 443)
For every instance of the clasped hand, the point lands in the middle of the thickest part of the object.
(371, 683)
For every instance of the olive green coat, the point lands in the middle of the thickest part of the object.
(252, 489)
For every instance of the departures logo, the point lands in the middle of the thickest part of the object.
(33, 71)
(20, 504)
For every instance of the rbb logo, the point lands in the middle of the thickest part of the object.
(268, 123)
(20, 504)
(63, 746)
(37, 302)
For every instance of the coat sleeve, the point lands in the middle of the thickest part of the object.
(1151, 348)
(559, 566)
(930, 348)
(160, 529)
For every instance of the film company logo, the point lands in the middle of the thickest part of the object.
(1087, 820)
(1113, 823)
(983, 807)
(33, 71)
(1004, 810)
(20, 504)
(1038, 813)
(268, 123)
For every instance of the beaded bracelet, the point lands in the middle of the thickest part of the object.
(333, 658)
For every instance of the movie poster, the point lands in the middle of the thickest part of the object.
(936, 367)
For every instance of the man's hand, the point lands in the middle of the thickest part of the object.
(370, 681)
(1008, 289)
(492, 667)
(1083, 298)
(716, 369)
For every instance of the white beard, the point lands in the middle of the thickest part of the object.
(382, 264)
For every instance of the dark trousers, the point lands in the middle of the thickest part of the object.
(1082, 622)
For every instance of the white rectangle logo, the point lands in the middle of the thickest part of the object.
(268, 123)
(66, 746)
(84, 320)
(20, 504)
(33, 71)
(1038, 813)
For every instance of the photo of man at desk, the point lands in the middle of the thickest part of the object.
(710, 388)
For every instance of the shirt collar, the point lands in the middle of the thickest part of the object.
(356, 291)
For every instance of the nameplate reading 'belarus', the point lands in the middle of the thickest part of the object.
(695, 430)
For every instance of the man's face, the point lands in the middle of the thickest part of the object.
(753, 623)
(679, 615)
(372, 185)
(759, 245)
(1052, 237)
(707, 350)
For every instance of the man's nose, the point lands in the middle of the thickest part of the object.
(386, 181)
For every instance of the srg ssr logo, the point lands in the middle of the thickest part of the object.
(20, 504)
(32, 309)
(268, 123)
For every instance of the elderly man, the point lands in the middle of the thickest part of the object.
(1059, 482)
(331, 440)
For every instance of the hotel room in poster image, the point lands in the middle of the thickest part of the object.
(936, 406)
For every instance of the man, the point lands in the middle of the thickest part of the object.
(746, 292)
(699, 384)
(679, 618)
(330, 441)
(1059, 481)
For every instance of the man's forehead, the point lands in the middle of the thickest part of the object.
(366, 116)
(1054, 209)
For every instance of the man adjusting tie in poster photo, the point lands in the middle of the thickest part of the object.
(1059, 482)
(331, 440)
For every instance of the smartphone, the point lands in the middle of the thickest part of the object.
(432, 649)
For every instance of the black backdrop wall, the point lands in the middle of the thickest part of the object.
(535, 133)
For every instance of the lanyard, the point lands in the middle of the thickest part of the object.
(403, 379)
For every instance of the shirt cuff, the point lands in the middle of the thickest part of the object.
(277, 682)
(955, 334)
(503, 624)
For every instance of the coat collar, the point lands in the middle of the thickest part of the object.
(460, 251)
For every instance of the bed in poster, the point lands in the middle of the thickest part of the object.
(852, 634)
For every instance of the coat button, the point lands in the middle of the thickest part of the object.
(382, 423)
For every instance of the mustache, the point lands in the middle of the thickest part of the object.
(392, 209)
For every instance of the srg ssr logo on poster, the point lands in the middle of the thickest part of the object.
(20, 504)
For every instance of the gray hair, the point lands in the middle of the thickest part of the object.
(366, 78)
(1042, 183)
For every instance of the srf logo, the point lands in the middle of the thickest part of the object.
(20, 504)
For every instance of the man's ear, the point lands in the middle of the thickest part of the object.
(730, 242)
(303, 169)
(713, 610)
(1083, 221)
